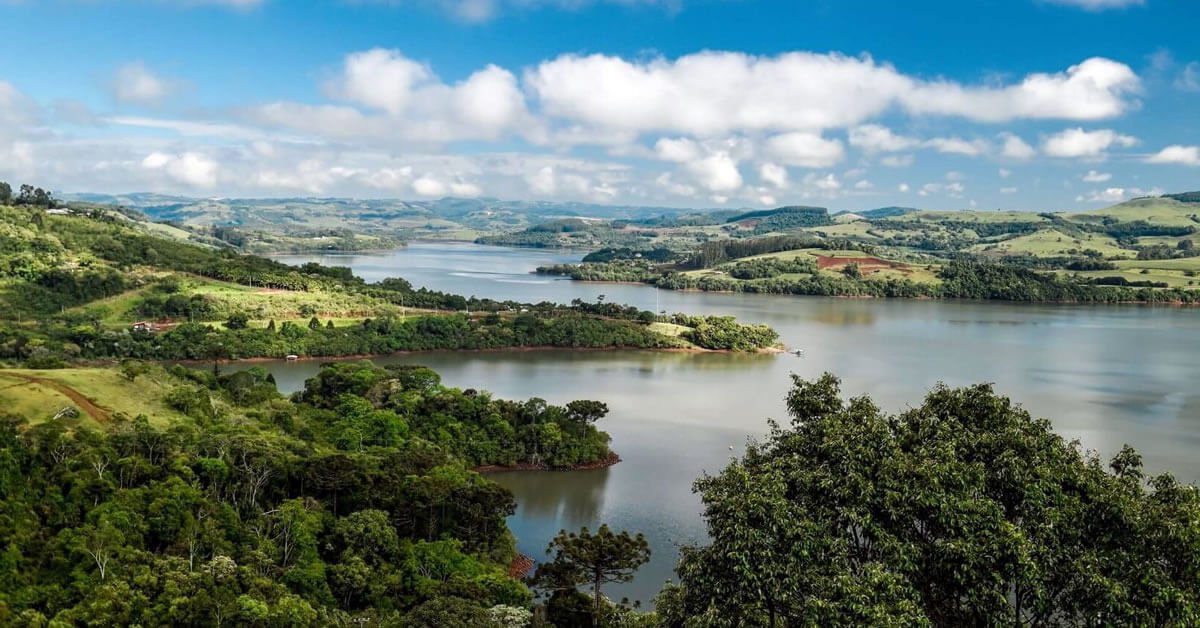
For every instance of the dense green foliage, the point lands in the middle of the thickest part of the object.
(965, 278)
(354, 501)
(783, 219)
(587, 559)
(54, 262)
(717, 252)
(964, 511)
(196, 341)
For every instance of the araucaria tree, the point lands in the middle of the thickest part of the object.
(593, 560)
(964, 511)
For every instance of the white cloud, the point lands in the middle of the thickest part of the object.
(406, 101)
(18, 112)
(1008, 190)
(1189, 78)
(543, 182)
(903, 187)
(864, 185)
(714, 93)
(874, 138)
(955, 175)
(1093, 176)
(1109, 195)
(897, 161)
(717, 172)
(766, 199)
(1005, 173)
(665, 181)
(189, 168)
(952, 190)
(957, 146)
(1177, 154)
(1100, 5)
(133, 83)
(827, 183)
(773, 174)
(1079, 143)
(806, 150)
(428, 186)
(680, 150)
(1116, 195)
(1016, 148)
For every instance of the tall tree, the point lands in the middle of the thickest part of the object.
(596, 559)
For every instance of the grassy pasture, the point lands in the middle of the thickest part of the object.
(106, 388)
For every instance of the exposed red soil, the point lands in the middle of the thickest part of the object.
(867, 265)
(520, 566)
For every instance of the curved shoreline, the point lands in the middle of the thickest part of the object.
(604, 463)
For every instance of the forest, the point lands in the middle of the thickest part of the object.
(353, 501)
(74, 285)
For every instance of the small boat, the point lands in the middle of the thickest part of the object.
(798, 353)
(291, 357)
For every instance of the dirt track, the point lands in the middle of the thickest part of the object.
(100, 415)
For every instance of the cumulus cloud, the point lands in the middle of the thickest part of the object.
(773, 174)
(404, 100)
(1016, 148)
(134, 84)
(874, 138)
(1177, 154)
(806, 150)
(677, 149)
(188, 168)
(717, 172)
(714, 93)
(903, 187)
(957, 146)
(1093, 176)
(952, 190)
(1080, 143)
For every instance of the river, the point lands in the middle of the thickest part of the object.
(1106, 375)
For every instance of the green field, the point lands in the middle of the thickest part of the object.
(106, 388)
(1160, 211)
(1053, 243)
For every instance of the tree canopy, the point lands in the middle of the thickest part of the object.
(962, 511)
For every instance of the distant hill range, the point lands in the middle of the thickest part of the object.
(363, 215)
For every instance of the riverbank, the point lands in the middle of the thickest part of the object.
(604, 463)
(539, 349)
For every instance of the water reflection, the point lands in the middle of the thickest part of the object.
(571, 499)
(1108, 376)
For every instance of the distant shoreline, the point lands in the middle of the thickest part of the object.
(604, 463)
(528, 349)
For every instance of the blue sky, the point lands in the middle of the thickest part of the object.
(850, 104)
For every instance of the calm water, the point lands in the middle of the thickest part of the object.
(1104, 375)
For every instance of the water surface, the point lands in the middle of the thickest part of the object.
(1106, 375)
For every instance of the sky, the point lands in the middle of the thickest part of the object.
(848, 104)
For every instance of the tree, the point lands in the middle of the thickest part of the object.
(131, 368)
(6, 195)
(314, 323)
(237, 320)
(592, 559)
(963, 511)
(852, 271)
